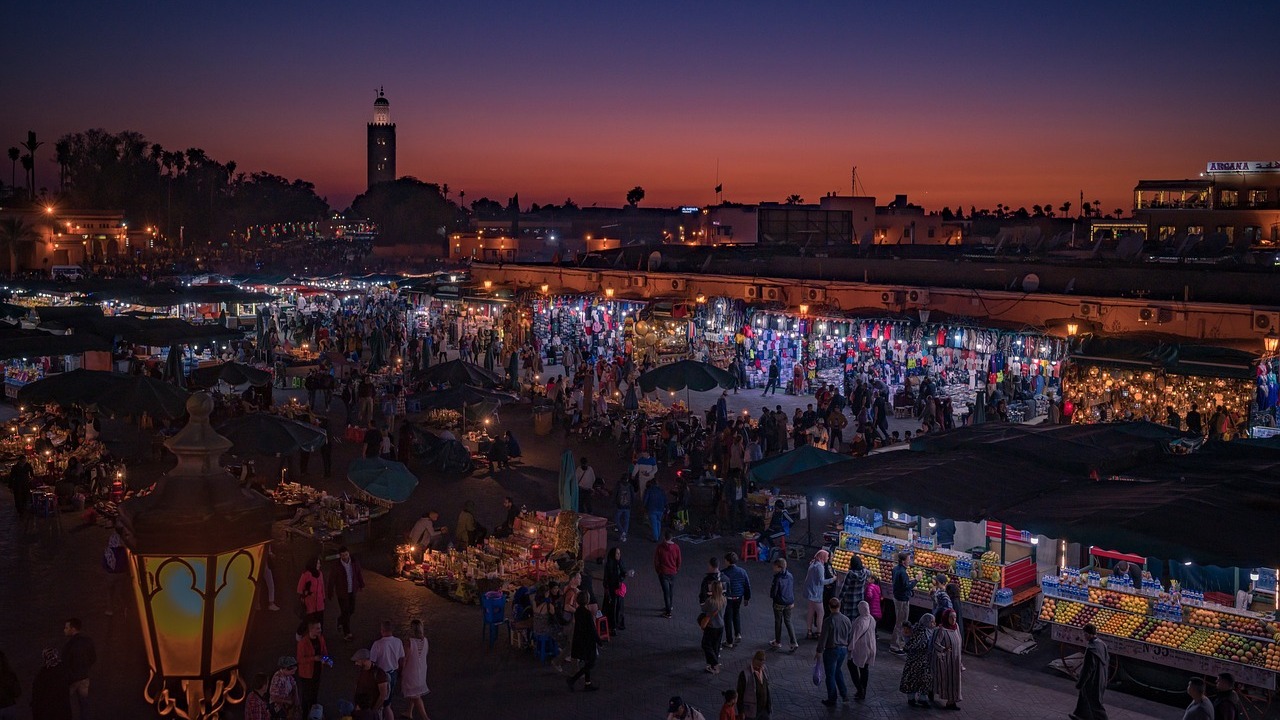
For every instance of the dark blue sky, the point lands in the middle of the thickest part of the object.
(951, 103)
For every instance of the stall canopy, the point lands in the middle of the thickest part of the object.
(232, 373)
(34, 343)
(267, 434)
(457, 373)
(805, 457)
(116, 393)
(382, 481)
(686, 374)
(460, 395)
(1116, 485)
(1171, 357)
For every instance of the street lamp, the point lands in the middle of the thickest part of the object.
(1271, 343)
(804, 309)
(1073, 327)
(608, 292)
(545, 287)
(195, 552)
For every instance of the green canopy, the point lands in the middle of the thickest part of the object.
(384, 481)
(802, 459)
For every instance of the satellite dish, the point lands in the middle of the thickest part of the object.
(1030, 282)
(655, 261)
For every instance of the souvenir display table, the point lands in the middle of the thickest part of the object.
(327, 519)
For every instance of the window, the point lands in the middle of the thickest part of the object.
(1228, 230)
(1195, 230)
(1229, 198)
(1257, 198)
(931, 231)
(1252, 234)
(1167, 231)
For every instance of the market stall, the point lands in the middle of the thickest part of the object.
(1112, 380)
(326, 519)
(997, 584)
(1173, 626)
(544, 546)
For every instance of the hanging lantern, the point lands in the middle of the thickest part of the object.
(195, 551)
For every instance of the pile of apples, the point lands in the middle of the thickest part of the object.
(1243, 650)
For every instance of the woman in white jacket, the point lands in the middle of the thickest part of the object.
(862, 649)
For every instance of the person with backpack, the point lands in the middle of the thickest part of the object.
(737, 595)
(713, 577)
(783, 594)
(655, 504)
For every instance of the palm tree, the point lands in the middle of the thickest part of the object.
(31, 144)
(16, 235)
(635, 195)
(62, 154)
(28, 172)
(14, 154)
(794, 200)
(1066, 208)
(1037, 211)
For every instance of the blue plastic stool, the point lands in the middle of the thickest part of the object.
(545, 647)
(494, 605)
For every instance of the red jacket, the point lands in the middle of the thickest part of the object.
(338, 578)
(666, 559)
(308, 660)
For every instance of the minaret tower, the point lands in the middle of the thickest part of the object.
(382, 142)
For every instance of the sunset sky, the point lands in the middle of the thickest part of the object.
(951, 103)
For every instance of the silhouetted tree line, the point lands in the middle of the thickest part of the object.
(409, 211)
(176, 189)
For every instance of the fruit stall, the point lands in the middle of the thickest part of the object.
(1174, 627)
(992, 594)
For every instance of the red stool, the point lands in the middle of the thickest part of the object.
(602, 628)
(750, 549)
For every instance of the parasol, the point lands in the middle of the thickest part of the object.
(231, 373)
(459, 372)
(266, 434)
(384, 481)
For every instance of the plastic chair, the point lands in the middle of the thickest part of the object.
(750, 549)
(779, 550)
(602, 627)
(545, 647)
(494, 605)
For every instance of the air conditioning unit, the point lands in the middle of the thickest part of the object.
(638, 281)
(1090, 310)
(815, 295)
(1265, 322)
(918, 297)
(893, 297)
(1155, 315)
(771, 293)
(674, 284)
(751, 292)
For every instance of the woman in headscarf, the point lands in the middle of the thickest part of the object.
(917, 680)
(945, 660)
(862, 649)
(615, 573)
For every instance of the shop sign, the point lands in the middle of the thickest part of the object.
(1262, 431)
(1172, 657)
(1247, 166)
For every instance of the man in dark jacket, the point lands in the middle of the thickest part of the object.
(783, 594)
(78, 656)
(345, 580)
(709, 580)
(903, 586)
(737, 594)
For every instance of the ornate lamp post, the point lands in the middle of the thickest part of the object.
(195, 549)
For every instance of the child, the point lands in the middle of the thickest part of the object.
(730, 709)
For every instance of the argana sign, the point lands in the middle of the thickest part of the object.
(1249, 166)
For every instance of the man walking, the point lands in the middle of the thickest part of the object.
(1092, 681)
(78, 656)
(737, 595)
(783, 594)
(666, 562)
(655, 504)
(754, 701)
(387, 652)
(623, 496)
(774, 374)
(586, 477)
(903, 586)
(833, 650)
(345, 580)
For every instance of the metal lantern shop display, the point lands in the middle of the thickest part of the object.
(196, 548)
